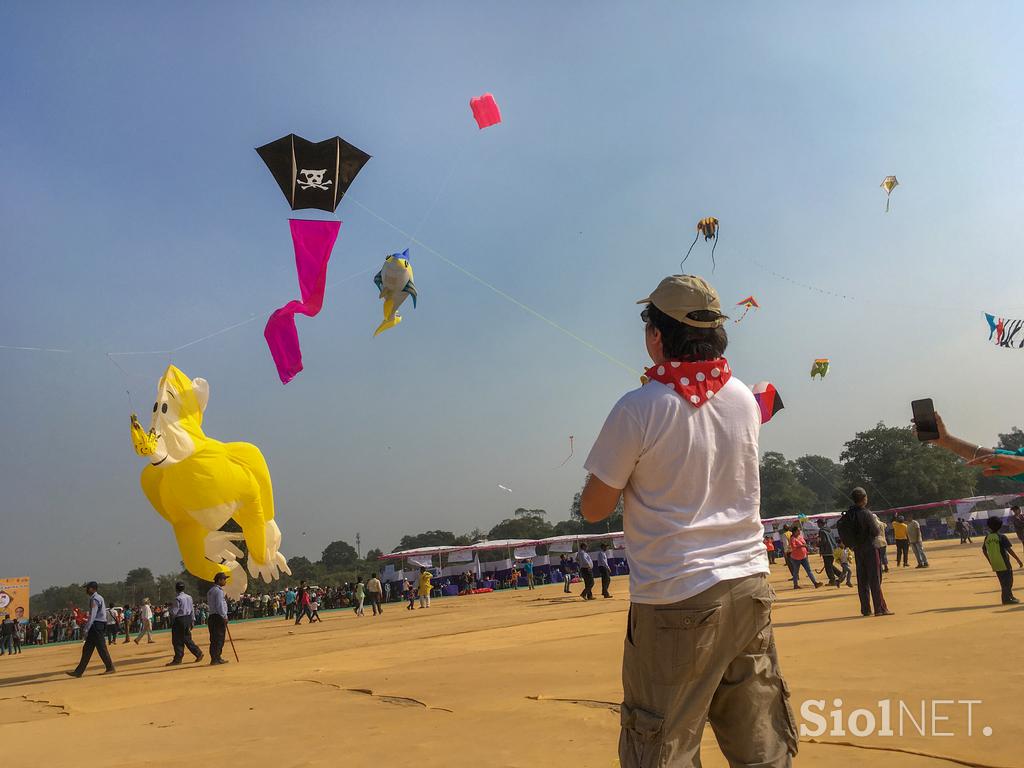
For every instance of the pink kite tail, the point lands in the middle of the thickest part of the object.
(313, 241)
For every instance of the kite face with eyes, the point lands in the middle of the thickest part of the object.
(177, 421)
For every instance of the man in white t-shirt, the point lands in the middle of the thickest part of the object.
(146, 616)
(683, 450)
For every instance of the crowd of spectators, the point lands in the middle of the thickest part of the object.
(124, 622)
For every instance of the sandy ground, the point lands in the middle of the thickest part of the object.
(523, 679)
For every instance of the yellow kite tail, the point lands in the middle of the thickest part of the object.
(390, 322)
(391, 319)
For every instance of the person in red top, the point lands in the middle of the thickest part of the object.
(798, 554)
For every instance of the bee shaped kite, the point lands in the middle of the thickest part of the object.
(708, 227)
(820, 367)
(889, 183)
(394, 281)
(748, 304)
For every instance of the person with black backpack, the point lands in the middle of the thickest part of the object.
(858, 530)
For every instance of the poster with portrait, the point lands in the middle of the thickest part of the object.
(14, 598)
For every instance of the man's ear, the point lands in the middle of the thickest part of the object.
(202, 389)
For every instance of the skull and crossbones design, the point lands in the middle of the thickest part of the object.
(313, 179)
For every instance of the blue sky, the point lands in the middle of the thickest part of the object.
(135, 215)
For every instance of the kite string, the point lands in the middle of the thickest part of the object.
(572, 452)
(127, 380)
(231, 327)
(508, 297)
(439, 190)
(34, 349)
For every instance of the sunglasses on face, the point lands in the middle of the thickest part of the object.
(645, 315)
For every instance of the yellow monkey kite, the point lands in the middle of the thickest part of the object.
(197, 484)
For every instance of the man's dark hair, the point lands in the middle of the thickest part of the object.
(680, 341)
(857, 495)
(1015, 508)
(994, 524)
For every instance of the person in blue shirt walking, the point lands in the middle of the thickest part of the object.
(95, 631)
(528, 568)
(218, 620)
(183, 617)
(289, 604)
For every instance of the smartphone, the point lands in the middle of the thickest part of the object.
(924, 418)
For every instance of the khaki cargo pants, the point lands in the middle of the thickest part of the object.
(709, 657)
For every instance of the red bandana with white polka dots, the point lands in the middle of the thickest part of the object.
(696, 383)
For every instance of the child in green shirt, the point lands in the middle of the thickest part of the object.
(998, 551)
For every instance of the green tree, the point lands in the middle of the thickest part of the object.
(302, 569)
(373, 555)
(782, 493)
(426, 539)
(138, 577)
(477, 534)
(338, 555)
(1012, 440)
(576, 523)
(822, 477)
(524, 524)
(896, 469)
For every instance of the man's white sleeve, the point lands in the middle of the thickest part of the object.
(617, 448)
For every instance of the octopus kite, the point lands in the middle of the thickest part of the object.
(708, 227)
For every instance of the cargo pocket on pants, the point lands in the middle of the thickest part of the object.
(640, 741)
(762, 624)
(684, 641)
(788, 726)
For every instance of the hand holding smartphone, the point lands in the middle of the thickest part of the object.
(924, 420)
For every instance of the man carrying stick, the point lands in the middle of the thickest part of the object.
(218, 620)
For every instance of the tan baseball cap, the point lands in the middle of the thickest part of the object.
(679, 295)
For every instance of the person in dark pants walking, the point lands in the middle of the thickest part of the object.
(827, 548)
(218, 619)
(604, 570)
(586, 566)
(902, 538)
(302, 601)
(183, 617)
(858, 529)
(95, 631)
